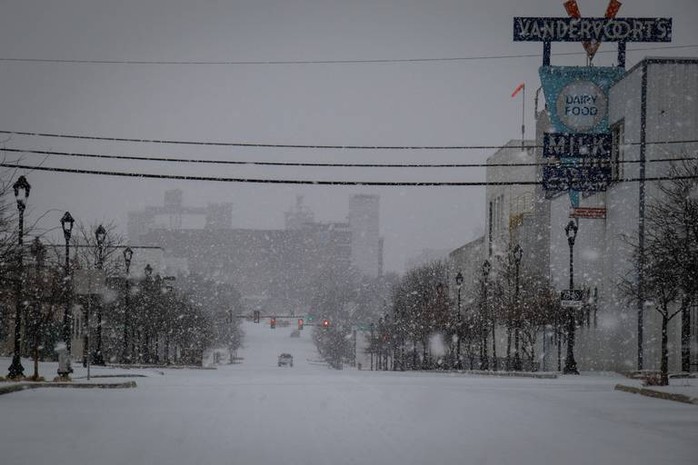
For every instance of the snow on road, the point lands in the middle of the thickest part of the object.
(258, 413)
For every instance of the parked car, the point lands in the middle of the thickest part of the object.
(286, 359)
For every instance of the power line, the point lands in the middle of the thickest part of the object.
(263, 181)
(301, 164)
(297, 146)
(311, 182)
(312, 62)
(252, 144)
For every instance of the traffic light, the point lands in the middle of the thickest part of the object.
(325, 323)
(256, 316)
(272, 322)
(300, 324)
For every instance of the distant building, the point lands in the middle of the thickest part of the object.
(172, 215)
(299, 215)
(427, 256)
(366, 243)
(466, 260)
(508, 205)
(274, 270)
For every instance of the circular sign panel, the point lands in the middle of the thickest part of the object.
(581, 105)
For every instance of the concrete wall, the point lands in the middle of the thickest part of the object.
(467, 260)
(507, 203)
(602, 251)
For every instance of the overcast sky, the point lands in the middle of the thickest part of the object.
(464, 102)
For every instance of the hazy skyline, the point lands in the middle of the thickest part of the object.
(465, 102)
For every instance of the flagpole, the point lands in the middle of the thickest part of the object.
(523, 115)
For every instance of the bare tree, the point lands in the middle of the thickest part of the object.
(84, 242)
(670, 260)
(672, 226)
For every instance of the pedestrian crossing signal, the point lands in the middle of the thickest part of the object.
(272, 322)
(300, 323)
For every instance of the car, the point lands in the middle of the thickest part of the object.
(286, 359)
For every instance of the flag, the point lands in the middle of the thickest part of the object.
(518, 89)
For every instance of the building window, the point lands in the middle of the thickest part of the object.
(617, 149)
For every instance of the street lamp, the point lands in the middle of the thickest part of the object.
(67, 226)
(570, 364)
(518, 254)
(145, 325)
(100, 235)
(484, 357)
(128, 254)
(21, 188)
(459, 321)
(33, 324)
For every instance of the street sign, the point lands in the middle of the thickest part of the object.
(562, 178)
(592, 213)
(592, 29)
(578, 145)
(571, 298)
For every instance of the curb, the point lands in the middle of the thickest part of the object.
(170, 367)
(502, 374)
(510, 374)
(658, 394)
(23, 386)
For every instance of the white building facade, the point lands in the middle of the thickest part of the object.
(651, 108)
(653, 118)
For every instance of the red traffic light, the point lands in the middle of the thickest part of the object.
(300, 323)
(325, 323)
(272, 322)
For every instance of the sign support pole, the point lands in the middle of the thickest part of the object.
(523, 117)
(621, 55)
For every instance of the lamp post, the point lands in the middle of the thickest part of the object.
(459, 322)
(518, 254)
(67, 226)
(484, 357)
(38, 251)
(128, 254)
(100, 235)
(21, 189)
(570, 364)
(145, 335)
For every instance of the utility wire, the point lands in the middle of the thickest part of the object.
(252, 144)
(313, 62)
(299, 146)
(301, 164)
(312, 182)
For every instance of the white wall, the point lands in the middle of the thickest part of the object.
(672, 114)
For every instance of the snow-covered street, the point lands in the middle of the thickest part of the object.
(259, 413)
